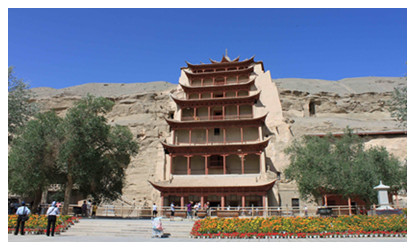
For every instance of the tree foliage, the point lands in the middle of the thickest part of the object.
(398, 105)
(93, 154)
(32, 164)
(19, 107)
(79, 151)
(342, 166)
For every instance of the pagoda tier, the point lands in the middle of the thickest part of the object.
(243, 100)
(216, 149)
(228, 73)
(209, 186)
(214, 64)
(220, 87)
(201, 124)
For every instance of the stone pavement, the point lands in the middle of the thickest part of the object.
(139, 230)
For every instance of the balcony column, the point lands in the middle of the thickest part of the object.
(188, 165)
(201, 81)
(242, 156)
(171, 164)
(236, 94)
(242, 134)
(224, 163)
(237, 78)
(223, 112)
(182, 201)
(237, 111)
(206, 164)
(161, 203)
(209, 113)
(225, 81)
(200, 96)
(207, 136)
(259, 133)
(190, 136)
(224, 135)
(174, 136)
(194, 113)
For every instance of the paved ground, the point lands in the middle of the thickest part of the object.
(65, 238)
(135, 230)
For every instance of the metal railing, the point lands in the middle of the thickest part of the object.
(127, 211)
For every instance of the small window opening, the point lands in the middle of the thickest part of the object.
(312, 108)
(216, 131)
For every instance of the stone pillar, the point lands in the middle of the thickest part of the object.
(383, 199)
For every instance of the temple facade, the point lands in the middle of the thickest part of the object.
(222, 136)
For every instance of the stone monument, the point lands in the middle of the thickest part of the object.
(383, 199)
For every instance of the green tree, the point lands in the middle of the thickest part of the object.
(32, 164)
(342, 166)
(398, 105)
(19, 107)
(94, 155)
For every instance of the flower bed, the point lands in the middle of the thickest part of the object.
(300, 227)
(37, 223)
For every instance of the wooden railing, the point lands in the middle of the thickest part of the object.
(217, 117)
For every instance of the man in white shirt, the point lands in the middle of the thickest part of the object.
(23, 213)
(52, 212)
(154, 210)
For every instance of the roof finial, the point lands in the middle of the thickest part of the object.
(226, 52)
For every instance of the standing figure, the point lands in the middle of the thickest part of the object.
(94, 210)
(189, 210)
(23, 215)
(84, 209)
(305, 211)
(154, 210)
(88, 209)
(52, 213)
(172, 211)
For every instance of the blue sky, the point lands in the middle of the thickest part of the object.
(65, 47)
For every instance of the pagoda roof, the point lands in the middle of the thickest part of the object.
(193, 124)
(222, 63)
(216, 149)
(201, 183)
(216, 101)
(247, 70)
(223, 87)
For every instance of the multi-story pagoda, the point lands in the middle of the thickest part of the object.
(219, 135)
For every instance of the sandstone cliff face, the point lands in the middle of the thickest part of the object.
(359, 103)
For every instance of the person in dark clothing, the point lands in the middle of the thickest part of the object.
(23, 213)
(84, 208)
(52, 213)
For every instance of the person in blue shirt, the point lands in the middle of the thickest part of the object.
(23, 213)
(52, 212)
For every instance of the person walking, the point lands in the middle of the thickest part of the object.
(172, 209)
(84, 209)
(154, 210)
(52, 213)
(189, 210)
(23, 215)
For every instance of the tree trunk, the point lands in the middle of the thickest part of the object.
(68, 193)
(36, 200)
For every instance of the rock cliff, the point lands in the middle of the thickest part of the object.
(309, 106)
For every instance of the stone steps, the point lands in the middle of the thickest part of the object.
(128, 228)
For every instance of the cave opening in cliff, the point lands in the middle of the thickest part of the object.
(312, 108)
